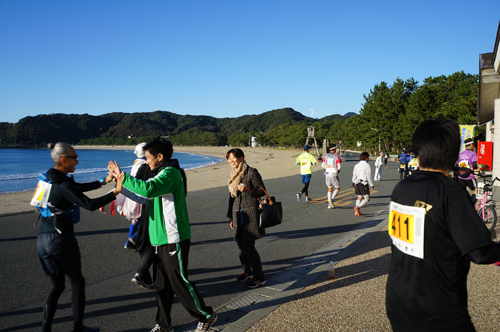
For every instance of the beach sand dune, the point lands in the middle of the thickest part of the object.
(271, 163)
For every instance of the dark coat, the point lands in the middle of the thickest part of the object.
(66, 191)
(248, 204)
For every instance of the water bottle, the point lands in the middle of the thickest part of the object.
(331, 271)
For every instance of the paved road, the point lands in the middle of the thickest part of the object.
(115, 304)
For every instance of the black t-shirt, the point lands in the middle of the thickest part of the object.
(432, 292)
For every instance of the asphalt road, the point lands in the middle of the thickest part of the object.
(116, 304)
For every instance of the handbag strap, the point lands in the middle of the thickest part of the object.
(268, 198)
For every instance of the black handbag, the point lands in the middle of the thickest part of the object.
(271, 212)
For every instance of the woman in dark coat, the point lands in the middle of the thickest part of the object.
(245, 189)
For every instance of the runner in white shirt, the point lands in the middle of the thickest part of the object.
(331, 164)
(361, 178)
(378, 167)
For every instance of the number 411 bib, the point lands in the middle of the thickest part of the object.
(406, 228)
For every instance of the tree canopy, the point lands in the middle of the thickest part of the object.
(389, 115)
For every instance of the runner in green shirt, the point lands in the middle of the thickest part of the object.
(306, 161)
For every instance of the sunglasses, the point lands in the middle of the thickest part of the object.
(73, 157)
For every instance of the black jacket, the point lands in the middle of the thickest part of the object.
(64, 192)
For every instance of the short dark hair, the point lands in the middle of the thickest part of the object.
(238, 153)
(437, 143)
(164, 147)
(364, 155)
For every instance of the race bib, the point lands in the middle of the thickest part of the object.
(406, 228)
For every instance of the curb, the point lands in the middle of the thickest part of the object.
(244, 311)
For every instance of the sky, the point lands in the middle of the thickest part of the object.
(228, 58)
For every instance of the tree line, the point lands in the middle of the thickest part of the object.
(387, 118)
(390, 114)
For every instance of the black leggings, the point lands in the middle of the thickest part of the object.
(77, 300)
(305, 190)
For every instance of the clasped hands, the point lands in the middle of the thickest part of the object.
(116, 173)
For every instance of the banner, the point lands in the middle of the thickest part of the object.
(466, 131)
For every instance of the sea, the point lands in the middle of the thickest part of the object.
(19, 168)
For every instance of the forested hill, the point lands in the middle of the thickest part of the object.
(386, 121)
(118, 128)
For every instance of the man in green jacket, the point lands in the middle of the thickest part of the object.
(169, 233)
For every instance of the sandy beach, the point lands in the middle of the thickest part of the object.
(271, 163)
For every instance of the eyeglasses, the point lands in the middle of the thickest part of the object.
(72, 157)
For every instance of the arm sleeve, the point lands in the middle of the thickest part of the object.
(369, 175)
(257, 182)
(74, 195)
(313, 160)
(466, 228)
(89, 186)
(130, 195)
(230, 207)
(159, 185)
(485, 255)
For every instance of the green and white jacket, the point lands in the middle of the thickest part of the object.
(168, 217)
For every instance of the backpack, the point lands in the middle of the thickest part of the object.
(41, 202)
(41, 197)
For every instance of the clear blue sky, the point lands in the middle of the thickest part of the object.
(228, 58)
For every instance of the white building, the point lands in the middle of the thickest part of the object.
(488, 99)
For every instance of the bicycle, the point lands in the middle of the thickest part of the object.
(486, 206)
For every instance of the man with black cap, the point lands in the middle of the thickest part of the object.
(466, 163)
(331, 164)
(306, 161)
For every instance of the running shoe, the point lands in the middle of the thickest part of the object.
(307, 199)
(359, 212)
(158, 328)
(330, 204)
(206, 326)
(356, 211)
(129, 245)
(243, 277)
(298, 197)
(255, 283)
(138, 280)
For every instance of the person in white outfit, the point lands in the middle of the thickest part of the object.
(331, 164)
(378, 166)
(127, 207)
(361, 178)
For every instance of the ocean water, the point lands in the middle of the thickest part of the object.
(19, 168)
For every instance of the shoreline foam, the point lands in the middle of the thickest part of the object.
(271, 163)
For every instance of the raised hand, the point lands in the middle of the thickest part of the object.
(114, 168)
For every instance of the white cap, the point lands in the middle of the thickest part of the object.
(139, 152)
